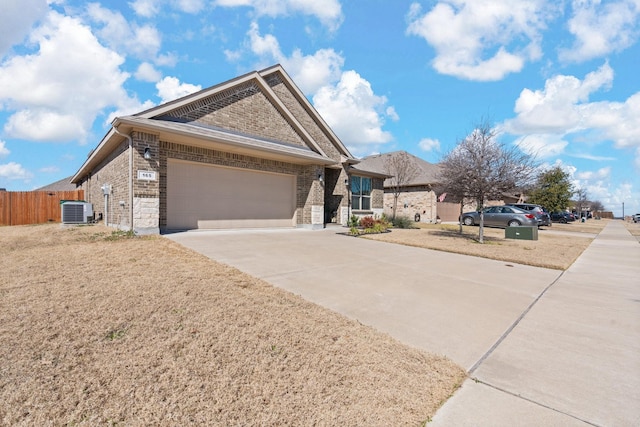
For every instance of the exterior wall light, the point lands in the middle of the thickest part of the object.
(147, 153)
(320, 178)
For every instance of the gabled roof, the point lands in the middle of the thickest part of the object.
(62, 185)
(427, 173)
(159, 120)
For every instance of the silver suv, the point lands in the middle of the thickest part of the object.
(543, 216)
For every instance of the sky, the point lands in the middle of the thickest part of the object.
(559, 79)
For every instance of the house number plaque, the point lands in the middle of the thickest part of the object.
(147, 175)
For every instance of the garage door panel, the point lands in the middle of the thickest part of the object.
(206, 196)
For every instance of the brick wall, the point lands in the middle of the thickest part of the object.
(113, 171)
(303, 116)
(418, 199)
(244, 109)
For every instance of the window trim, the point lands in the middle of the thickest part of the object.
(359, 196)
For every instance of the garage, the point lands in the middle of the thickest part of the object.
(203, 196)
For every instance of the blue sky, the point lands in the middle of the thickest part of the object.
(558, 78)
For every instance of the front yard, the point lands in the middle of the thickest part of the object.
(98, 328)
(551, 250)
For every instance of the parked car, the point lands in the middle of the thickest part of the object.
(543, 216)
(564, 217)
(636, 217)
(501, 216)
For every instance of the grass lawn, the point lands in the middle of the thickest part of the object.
(557, 246)
(101, 328)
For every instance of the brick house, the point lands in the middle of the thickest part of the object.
(418, 196)
(249, 152)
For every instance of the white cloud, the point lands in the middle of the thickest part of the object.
(542, 146)
(141, 41)
(563, 110)
(17, 18)
(145, 8)
(428, 144)
(482, 40)
(14, 171)
(170, 88)
(58, 100)
(4, 151)
(189, 6)
(601, 28)
(41, 124)
(310, 72)
(557, 107)
(351, 109)
(392, 114)
(329, 12)
(595, 175)
(146, 72)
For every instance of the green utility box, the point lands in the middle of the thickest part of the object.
(522, 233)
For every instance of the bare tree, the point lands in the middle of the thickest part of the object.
(403, 170)
(597, 206)
(581, 200)
(480, 168)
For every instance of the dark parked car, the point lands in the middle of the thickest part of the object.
(543, 216)
(563, 217)
(501, 216)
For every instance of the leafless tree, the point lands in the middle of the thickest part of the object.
(403, 170)
(481, 169)
(581, 200)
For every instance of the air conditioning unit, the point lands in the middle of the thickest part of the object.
(76, 212)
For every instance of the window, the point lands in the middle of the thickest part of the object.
(361, 193)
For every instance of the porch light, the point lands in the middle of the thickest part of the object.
(320, 178)
(147, 153)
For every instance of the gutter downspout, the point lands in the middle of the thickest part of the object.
(115, 129)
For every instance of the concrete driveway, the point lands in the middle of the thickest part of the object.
(485, 315)
(454, 305)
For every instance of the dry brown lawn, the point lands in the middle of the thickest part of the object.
(99, 328)
(551, 250)
(634, 228)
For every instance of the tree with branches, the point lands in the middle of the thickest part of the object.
(402, 169)
(553, 189)
(479, 168)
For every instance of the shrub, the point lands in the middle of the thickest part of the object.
(367, 222)
(402, 222)
(353, 221)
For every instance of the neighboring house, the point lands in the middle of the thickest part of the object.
(249, 152)
(417, 195)
(62, 185)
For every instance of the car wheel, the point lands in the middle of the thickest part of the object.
(514, 223)
(467, 220)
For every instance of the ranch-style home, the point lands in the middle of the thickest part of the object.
(420, 197)
(251, 152)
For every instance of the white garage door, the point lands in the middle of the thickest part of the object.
(207, 196)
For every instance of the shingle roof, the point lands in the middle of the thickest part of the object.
(63, 185)
(427, 172)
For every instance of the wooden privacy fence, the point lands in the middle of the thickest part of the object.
(34, 207)
(448, 212)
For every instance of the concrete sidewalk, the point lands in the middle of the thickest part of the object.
(574, 357)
